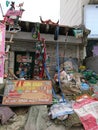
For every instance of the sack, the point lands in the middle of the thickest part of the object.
(87, 110)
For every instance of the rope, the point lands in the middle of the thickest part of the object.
(65, 47)
(46, 71)
(57, 52)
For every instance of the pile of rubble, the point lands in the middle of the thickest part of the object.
(72, 86)
(75, 103)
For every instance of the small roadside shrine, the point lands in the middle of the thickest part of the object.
(44, 84)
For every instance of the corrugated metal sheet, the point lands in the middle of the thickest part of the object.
(71, 12)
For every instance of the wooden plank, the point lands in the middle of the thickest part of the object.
(10, 37)
(27, 92)
(9, 41)
(11, 32)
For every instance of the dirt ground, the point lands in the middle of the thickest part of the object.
(54, 127)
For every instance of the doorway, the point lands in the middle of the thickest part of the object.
(24, 64)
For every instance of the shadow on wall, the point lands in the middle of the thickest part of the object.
(92, 63)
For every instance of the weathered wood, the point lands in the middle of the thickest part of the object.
(9, 41)
(11, 36)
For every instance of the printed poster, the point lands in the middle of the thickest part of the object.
(27, 92)
(2, 51)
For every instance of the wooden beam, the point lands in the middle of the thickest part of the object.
(9, 41)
